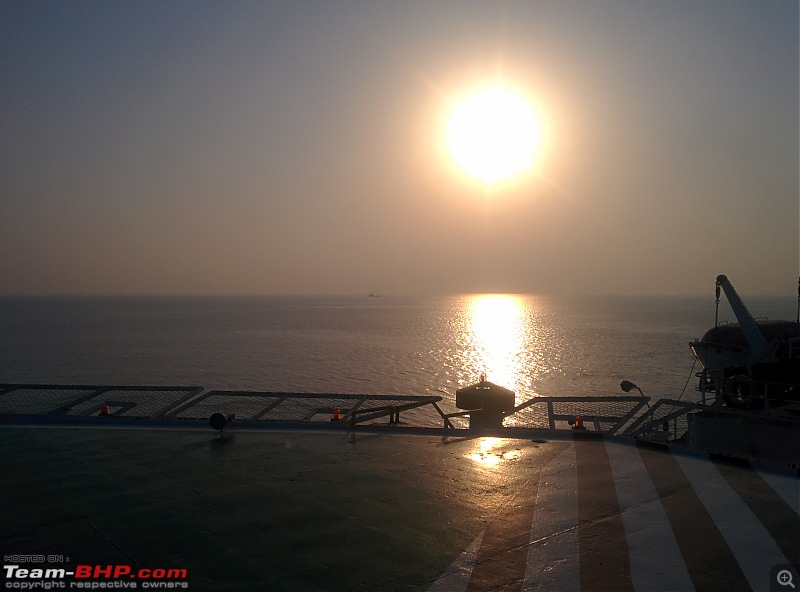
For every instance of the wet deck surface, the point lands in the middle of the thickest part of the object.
(323, 511)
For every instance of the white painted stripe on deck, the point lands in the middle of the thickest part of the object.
(785, 485)
(456, 577)
(754, 549)
(656, 560)
(553, 555)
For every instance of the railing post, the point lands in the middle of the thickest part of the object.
(703, 387)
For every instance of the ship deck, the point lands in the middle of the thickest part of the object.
(379, 510)
(286, 499)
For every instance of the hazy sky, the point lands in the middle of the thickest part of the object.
(191, 147)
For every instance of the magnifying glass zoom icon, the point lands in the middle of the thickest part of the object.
(784, 578)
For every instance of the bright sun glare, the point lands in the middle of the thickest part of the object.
(493, 134)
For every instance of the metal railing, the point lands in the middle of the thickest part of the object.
(608, 415)
(664, 421)
(137, 402)
(283, 407)
(21, 402)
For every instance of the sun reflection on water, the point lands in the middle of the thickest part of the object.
(496, 336)
(509, 338)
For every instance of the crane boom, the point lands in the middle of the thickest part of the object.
(755, 338)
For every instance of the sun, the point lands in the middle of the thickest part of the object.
(493, 134)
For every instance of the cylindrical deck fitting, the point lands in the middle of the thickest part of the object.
(219, 420)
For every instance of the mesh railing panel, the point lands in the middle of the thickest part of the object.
(610, 412)
(182, 403)
(535, 416)
(244, 406)
(145, 403)
(77, 401)
(39, 401)
(289, 407)
(667, 420)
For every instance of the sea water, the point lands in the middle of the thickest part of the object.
(535, 345)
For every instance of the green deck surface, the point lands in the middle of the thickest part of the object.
(258, 510)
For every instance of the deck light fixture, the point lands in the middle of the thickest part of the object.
(628, 386)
